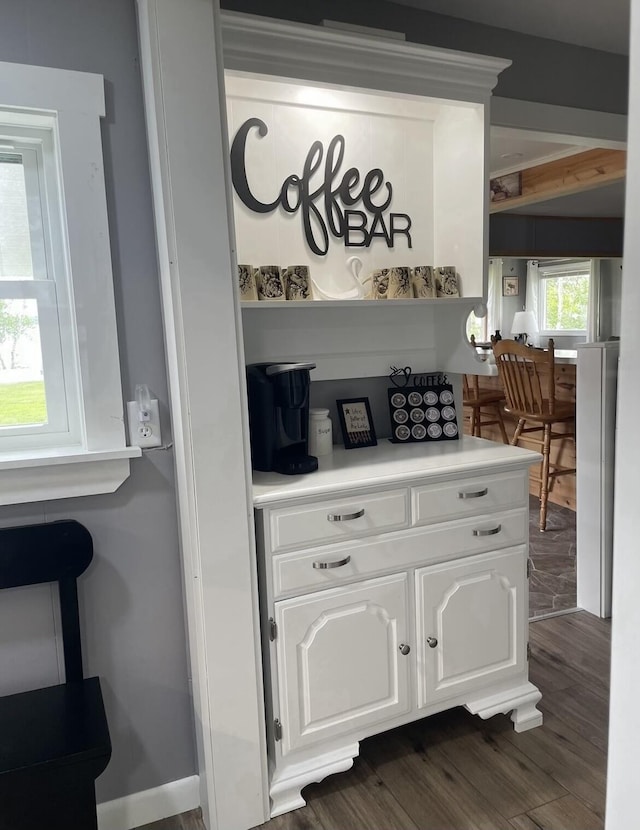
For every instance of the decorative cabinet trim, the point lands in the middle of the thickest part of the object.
(274, 47)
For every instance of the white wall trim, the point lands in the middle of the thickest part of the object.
(146, 806)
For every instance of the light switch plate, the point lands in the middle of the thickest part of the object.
(144, 433)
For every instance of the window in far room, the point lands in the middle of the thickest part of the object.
(563, 299)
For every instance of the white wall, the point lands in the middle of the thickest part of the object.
(624, 744)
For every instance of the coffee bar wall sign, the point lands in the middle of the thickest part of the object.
(327, 208)
(320, 175)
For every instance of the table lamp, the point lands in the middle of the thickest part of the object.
(524, 324)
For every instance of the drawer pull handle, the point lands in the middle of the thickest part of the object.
(490, 532)
(473, 494)
(345, 517)
(432, 642)
(323, 566)
(404, 648)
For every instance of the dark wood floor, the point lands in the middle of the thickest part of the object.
(455, 772)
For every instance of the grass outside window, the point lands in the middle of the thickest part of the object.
(23, 403)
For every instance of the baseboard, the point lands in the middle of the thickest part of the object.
(150, 805)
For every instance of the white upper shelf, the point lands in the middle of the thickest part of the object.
(309, 304)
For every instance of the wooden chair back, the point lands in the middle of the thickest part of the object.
(51, 552)
(527, 376)
(470, 388)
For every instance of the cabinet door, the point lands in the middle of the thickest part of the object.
(471, 619)
(340, 667)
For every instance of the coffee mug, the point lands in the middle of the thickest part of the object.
(247, 282)
(423, 282)
(269, 282)
(297, 282)
(447, 281)
(391, 283)
(380, 284)
(399, 283)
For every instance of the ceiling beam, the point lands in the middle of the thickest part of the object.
(574, 174)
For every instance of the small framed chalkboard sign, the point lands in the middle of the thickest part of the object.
(356, 423)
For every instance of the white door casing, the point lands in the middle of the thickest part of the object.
(340, 662)
(182, 82)
(473, 609)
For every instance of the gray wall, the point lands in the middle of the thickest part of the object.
(519, 235)
(131, 597)
(543, 70)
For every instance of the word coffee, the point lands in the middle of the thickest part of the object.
(327, 209)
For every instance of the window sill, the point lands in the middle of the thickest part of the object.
(41, 475)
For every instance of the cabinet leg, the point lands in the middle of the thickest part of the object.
(526, 716)
(289, 778)
(521, 701)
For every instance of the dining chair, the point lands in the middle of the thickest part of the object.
(528, 380)
(485, 405)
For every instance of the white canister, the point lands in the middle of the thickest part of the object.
(320, 432)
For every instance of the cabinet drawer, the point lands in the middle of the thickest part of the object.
(469, 496)
(302, 571)
(338, 520)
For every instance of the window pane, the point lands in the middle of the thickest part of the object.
(566, 302)
(15, 240)
(22, 392)
(476, 326)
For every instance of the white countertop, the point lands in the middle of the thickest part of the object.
(560, 356)
(565, 356)
(389, 463)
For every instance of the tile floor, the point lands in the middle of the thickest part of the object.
(552, 586)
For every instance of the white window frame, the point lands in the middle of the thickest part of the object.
(50, 288)
(547, 272)
(92, 455)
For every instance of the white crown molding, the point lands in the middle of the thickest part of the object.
(313, 53)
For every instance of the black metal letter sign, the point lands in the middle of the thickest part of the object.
(327, 210)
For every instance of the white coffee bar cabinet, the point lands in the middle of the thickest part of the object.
(393, 585)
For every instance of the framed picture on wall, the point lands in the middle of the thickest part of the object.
(356, 423)
(510, 286)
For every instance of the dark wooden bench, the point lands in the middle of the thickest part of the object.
(54, 742)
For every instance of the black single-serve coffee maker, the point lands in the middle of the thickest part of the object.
(279, 417)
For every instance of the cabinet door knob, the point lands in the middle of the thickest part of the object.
(473, 494)
(345, 517)
(404, 648)
(432, 642)
(490, 532)
(338, 563)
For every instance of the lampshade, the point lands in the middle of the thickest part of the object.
(524, 322)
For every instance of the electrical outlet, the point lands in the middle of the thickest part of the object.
(144, 424)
